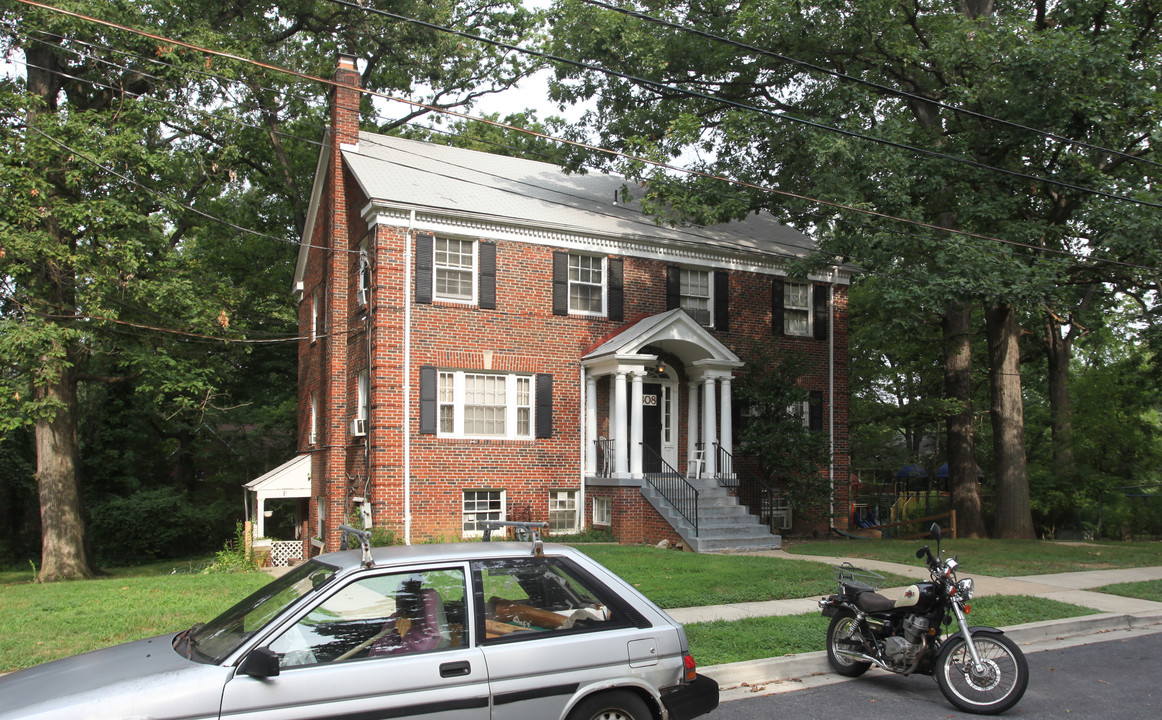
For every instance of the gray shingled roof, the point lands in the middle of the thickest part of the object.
(485, 187)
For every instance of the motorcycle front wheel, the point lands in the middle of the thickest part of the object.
(844, 629)
(990, 689)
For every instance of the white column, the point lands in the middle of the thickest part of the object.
(619, 429)
(590, 425)
(725, 423)
(691, 419)
(635, 425)
(709, 425)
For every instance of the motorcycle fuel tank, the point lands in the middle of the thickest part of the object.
(920, 597)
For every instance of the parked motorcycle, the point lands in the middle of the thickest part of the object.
(978, 669)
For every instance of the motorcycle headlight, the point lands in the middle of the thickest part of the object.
(965, 588)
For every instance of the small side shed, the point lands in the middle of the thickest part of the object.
(287, 488)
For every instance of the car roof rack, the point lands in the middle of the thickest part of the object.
(363, 537)
(524, 531)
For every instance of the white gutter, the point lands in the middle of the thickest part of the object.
(407, 381)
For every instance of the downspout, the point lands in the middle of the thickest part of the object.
(407, 381)
(831, 395)
(365, 260)
(583, 446)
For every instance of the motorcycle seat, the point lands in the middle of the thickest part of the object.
(871, 602)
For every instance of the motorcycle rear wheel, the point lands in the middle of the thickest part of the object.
(843, 627)
(990, 690)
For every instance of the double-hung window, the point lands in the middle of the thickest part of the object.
(695, 294)
(586, 284)
(454, 270)
(494, 405)
(796, 308)
(562, 511)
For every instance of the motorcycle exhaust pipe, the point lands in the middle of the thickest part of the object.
(861, 657)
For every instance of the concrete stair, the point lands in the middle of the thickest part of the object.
(723, 524)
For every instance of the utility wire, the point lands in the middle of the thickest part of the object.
(575, 143)
(664, 88)
(877, 86)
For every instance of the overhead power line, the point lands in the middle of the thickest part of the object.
(667, 88)
(574, 143)
(877, 86)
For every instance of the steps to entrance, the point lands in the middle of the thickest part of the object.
(723, 524)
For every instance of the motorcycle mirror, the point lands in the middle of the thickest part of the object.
(921, 552)
(935, 530)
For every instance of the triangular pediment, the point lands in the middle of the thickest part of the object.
(674, 331)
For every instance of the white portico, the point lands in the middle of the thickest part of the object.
(637, 378)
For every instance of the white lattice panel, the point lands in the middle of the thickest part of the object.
(283, 551)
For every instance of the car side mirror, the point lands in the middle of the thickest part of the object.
(260, 663)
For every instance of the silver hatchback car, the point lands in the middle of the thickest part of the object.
(470, 631)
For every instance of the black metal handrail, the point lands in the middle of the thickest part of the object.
(724, 467)
(605, 457)
(671, 485)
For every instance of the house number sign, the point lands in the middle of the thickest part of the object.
(650, 400)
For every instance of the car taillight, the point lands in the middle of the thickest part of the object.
(691, 667)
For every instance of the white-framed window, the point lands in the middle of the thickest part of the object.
(454, 270)
(320, 515)
(313, 434)
(602, 511)
(481, 506)
(363, 294)
(801, 411)
(587, 284)
(363, 389)
(562, 511)
(796, 308)
(695, 288)
(477, 404)
(314, 316)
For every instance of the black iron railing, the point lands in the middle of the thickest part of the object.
(605, 457)
(671, 485)
(724, 467)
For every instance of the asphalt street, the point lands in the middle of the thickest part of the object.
(1111, 676)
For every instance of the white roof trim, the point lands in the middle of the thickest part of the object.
(291, 479)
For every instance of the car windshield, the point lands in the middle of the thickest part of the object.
(216, 640)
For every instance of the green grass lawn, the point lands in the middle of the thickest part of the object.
(43, 622)
(1006, 558)
(719, 642)
(1144, 590)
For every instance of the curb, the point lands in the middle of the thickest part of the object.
(795, 667)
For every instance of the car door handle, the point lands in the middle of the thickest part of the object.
(455, 669)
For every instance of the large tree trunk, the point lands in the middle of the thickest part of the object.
(962, 476)
(57, 462)
(1014, 516)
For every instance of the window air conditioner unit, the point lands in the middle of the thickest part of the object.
(362, 297)
(359, 427)
(780, 514)
(312, 438)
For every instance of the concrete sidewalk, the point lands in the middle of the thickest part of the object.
(1117, 615)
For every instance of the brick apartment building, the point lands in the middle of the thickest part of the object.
(490, 338)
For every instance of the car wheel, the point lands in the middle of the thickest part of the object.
(616, 705)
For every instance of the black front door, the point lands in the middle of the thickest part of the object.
(651, 427)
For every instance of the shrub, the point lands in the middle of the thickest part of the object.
(147, 525)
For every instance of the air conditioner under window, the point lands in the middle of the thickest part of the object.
(359, 427)
(312, 438)
(780, 517)
(362, 297)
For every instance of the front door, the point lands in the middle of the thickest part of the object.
(652, 405)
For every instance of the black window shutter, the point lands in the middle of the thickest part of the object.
(544, 405)
(487, 252)
(815, 410)
(428, 385)
(673, 287)
(722, 301)
(425, 246)
(616, 286)
(560, 283)
(820, 312)
(777, 307)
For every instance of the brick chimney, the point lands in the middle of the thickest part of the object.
(345, 105)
